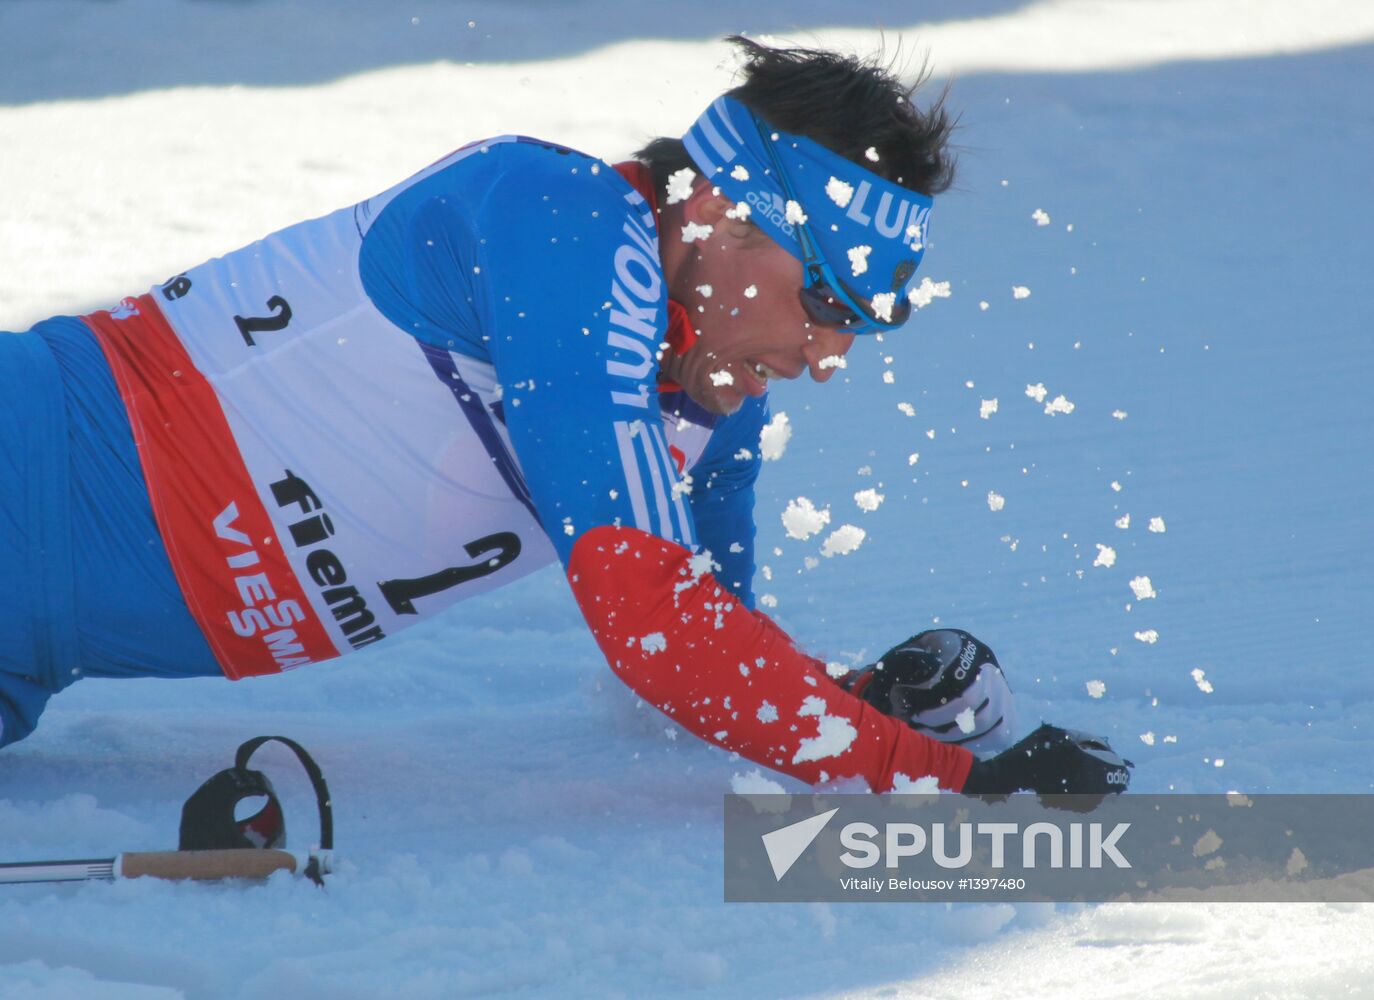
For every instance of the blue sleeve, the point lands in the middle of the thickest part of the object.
(575, 307)
(722, 497)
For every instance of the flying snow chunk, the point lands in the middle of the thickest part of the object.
(768, 600)
(834, 734)
(858, 258)
(1142, 589)
(1037, 392)
(986, 408)
(1041, 217)
(1149, 636)
(839, 191)
(1200, 678)
(1297, 861)
(751, 291)
(836, 670)
(1096, 689)
(1148, 739)
(802, 519)
(842, 541)
(927, 784)
(1157, 525)
(754, 783)
(871, 154)
(740, 211)
(1058, 405)
(693, 232)
(1020, 292)
(921, 295)
(888, 377)
(913, 458)
(964, 720)
(774, 437)
(740, 173)
(1119, 414)
(722, 378)
(680, 185)
(795, 215)
(832, 361)
(996, 501)
(868, 500)
(1106, 556)
(882, 304)
(907, 408)
(705, 291)
(653, 643)
(1124, 521)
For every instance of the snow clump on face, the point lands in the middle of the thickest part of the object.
(801, 519)
(1106, 555)
(680, 185)
(795, 215)
(693, 232)
(832, 361)
(921, 295)
(774, 437)
(858, 259)
(722, 378)
(751, 291)
(871, 154)
(739, 211)
(868, 500)
(839, 191)
(1143, 589)
(843, 540)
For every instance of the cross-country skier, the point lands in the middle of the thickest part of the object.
(520, 354)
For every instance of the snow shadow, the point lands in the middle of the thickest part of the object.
(64, 49)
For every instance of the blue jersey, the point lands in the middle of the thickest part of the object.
(418, 398)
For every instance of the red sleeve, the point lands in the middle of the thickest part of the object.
(685, 644)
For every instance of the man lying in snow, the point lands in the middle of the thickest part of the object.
(517, 355)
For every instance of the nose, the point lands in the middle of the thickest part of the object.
(825, 342)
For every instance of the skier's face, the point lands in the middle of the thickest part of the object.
(741, 291)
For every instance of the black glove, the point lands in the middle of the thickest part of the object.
(1052, 761)
(943, 683)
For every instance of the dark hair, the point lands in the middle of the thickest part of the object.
(845, 103)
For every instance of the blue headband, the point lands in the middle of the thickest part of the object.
(854, 231)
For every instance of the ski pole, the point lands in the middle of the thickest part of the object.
(246, 863)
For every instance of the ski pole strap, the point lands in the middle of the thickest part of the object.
(311, 769)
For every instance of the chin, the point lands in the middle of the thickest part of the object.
(721, 401)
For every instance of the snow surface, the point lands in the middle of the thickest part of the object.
(510, 820)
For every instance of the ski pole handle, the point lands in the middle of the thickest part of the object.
(244, 863)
